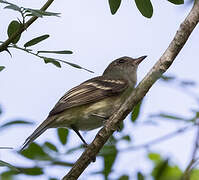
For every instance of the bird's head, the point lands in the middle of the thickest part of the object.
(124, 68)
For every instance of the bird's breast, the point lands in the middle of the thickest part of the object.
(97, 113)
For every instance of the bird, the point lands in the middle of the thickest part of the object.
(89, 105)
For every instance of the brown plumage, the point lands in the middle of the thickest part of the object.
(88, 92)
(87, 105)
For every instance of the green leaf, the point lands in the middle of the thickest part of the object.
(76, 66)
(33, 12)
(194, 174)
(127, 138)
(8, 175)
(2, 68)
(36, 40)
(6, 2)
(160, 170)
(13, 27)
(2, 1)
(145, 7)
(13, 7)
(156, 158)
(164, 171)
(140, 176)
(51, 146)
(62, 163)
(3, 163)
(35, 152)
(169, 116)
(47, 13)
(63, 135)
(136, 112)
(109, 154)
(177, 2)
(20, 122)
(40, 13)
(51, 178)
(124, 177)
(56, 63)
(73, 65)
(56, 52)
(114, 5)
(34, 171)
(173, 173)
(53, 61)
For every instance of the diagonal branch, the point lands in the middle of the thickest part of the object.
(154, 74)
(4, 46)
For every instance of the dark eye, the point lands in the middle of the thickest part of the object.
(121, 61)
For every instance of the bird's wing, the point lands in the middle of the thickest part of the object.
(88, 92)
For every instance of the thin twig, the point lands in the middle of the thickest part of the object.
(158, 140)
(4, 46)
(194, 159)
(6, 148)
(196, 145)
(43, 57)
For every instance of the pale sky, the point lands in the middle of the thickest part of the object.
(30, 88)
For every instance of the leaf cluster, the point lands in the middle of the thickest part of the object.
(144, 6)
(16, 25)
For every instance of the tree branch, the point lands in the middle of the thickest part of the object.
(4, 46)
(138, 93)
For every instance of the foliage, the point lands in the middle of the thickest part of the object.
(15, 122)
(16, 26)
(114, 5)
(62, 134)
(2, 68)
(13, 27)
(164, 169)
(144, 6)
(136, 111)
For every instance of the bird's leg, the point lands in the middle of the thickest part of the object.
(80, 136)
(85, 144)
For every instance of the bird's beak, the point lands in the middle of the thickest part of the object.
(140, 59)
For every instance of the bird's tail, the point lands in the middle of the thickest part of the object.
(42, 127)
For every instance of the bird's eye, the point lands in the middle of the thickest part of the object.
(121, 61)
